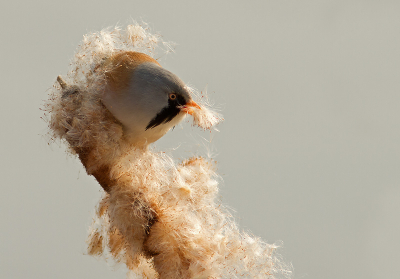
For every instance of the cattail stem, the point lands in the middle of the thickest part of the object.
(62, 82)
(102, 174)
(163, 220)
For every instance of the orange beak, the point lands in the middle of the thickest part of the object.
(188, 108)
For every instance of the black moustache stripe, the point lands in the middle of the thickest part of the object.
(164, 116)
(168, 113)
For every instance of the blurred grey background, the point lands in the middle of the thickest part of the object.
(309, 152)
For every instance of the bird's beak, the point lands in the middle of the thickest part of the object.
(188, 108)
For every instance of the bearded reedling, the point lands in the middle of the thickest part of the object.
(160, 218)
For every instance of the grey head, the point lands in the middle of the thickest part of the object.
(150, 104)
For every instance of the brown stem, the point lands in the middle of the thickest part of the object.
(62, 82)
(102, 174)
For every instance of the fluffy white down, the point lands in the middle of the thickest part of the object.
(193, 236)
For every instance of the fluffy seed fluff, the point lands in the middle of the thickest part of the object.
(160, 218)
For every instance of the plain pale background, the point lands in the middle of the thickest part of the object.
(309, 152)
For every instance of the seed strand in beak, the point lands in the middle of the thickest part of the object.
(188, 108)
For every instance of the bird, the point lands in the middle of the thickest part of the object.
(147, 99)
(160, 217)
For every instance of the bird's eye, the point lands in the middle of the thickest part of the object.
(172, 96)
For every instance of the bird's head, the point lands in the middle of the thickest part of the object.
(145, 98)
